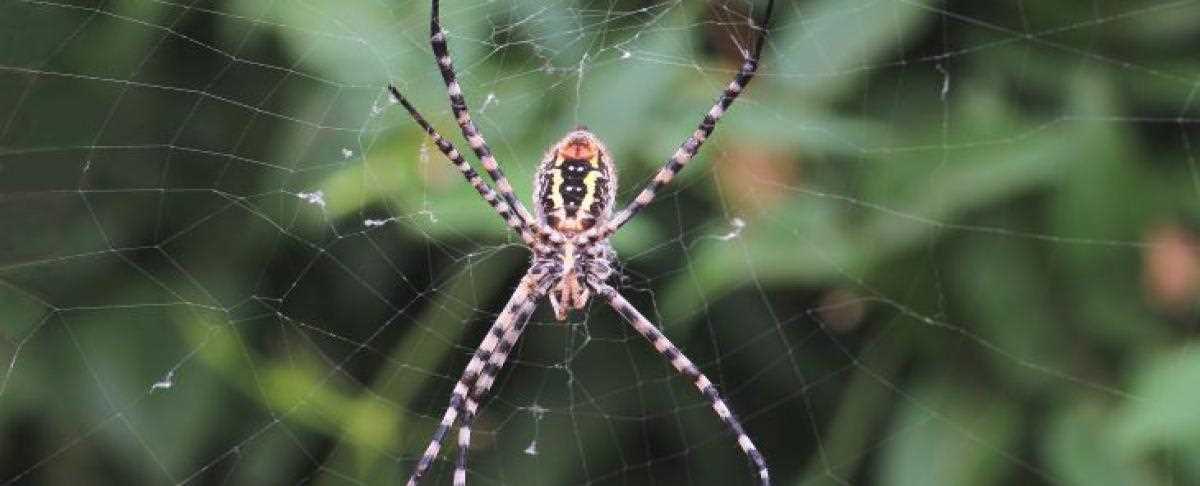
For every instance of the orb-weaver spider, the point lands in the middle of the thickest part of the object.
(575, 189)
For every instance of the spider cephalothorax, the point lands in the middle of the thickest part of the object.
(568, 233)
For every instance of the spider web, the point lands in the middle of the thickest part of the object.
(933, 243)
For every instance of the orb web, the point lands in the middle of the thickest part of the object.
(933, 242)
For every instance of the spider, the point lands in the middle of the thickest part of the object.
(568, 232)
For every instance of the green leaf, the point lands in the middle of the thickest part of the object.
(949, 432)
(1162, 412)
(837, 42)
(1080, 450)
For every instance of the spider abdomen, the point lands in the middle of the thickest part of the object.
(575, 184)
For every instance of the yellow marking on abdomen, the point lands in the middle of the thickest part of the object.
(556, 181)
(589, 195)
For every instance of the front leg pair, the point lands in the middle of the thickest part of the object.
(481, 372)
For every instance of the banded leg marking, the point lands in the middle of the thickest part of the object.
(447, 148)
(688, 369)
(462, 114)
(464, 443)
(519, 307)
(690, 146)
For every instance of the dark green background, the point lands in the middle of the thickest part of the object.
(968, 252)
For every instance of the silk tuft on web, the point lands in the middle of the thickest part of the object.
(934, 242)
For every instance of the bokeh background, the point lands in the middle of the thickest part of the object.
(935, 242)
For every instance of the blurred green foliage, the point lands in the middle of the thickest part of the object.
(935, 243)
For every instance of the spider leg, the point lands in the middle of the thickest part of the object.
(486, 378)
(462, 114)
(685, 367)
(501, 207)
(464, 443)
(518, 309)
(691, 146)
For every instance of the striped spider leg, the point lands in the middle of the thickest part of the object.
(501, 336)
(475, 383)
(691, 145)
(462, 114)
(484, 383)
(489, 195)
(685, 367)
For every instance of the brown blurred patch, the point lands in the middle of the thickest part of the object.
(1171, 268)
(726, 33)
(841, 310)
(755, 179)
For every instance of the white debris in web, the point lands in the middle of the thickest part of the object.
(347, 153)
(375, 223)
(538, 413)
(165, 383)
(490, 100)
(316, 198)
(738, 225)
(376, 110)
(945, 81)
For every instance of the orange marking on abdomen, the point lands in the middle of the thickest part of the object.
(580, 149)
